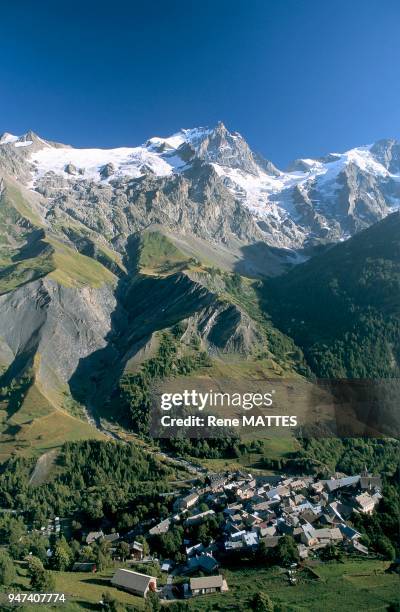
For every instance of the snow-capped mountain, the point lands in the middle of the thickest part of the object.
(314, 201)
(103, 248)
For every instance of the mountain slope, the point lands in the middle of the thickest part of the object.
(103, 253)
(343, 306)
(172, 180)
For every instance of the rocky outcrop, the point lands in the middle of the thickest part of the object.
(55, 325)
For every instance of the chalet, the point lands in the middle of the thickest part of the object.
(167, 565)
(250, 539)
(133, 582)
(209, 584)
(137, 551)
(195, 549)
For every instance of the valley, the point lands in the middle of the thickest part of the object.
(192, 263)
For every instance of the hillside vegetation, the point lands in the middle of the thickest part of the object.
(343, 306)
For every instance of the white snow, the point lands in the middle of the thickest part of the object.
(160, 155)
(271, 196)
(264, 195)
(7, 138)
(126, 161)
(23, 143)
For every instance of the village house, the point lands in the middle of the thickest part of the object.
(210, 584)
(184, 503)
(265, 530)
(366, 503)
(134, 582)
(331, 535)
(263, 509)
(198, 518)
(204, 562)
(297, 485)
(136, 551)
(161, 528)
(246, 491)
(349, 533)
(217, 482)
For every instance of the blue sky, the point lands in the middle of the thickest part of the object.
(295, 77)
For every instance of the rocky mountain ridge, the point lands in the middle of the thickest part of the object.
(208, 183)
(104, 251)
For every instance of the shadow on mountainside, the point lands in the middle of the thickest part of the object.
(144, 305)
(260, 260)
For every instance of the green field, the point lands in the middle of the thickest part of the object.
(82, 589)
(355, 584)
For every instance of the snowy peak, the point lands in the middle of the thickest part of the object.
(158, 156)
(324, 199)
(227, 149)
(213, 145)
(7, 138)
(192, 137)
(26, 140)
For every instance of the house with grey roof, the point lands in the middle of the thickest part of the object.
(134, 582)
(206, 585)
(198, 518)
(184, 503)
(161, 528)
